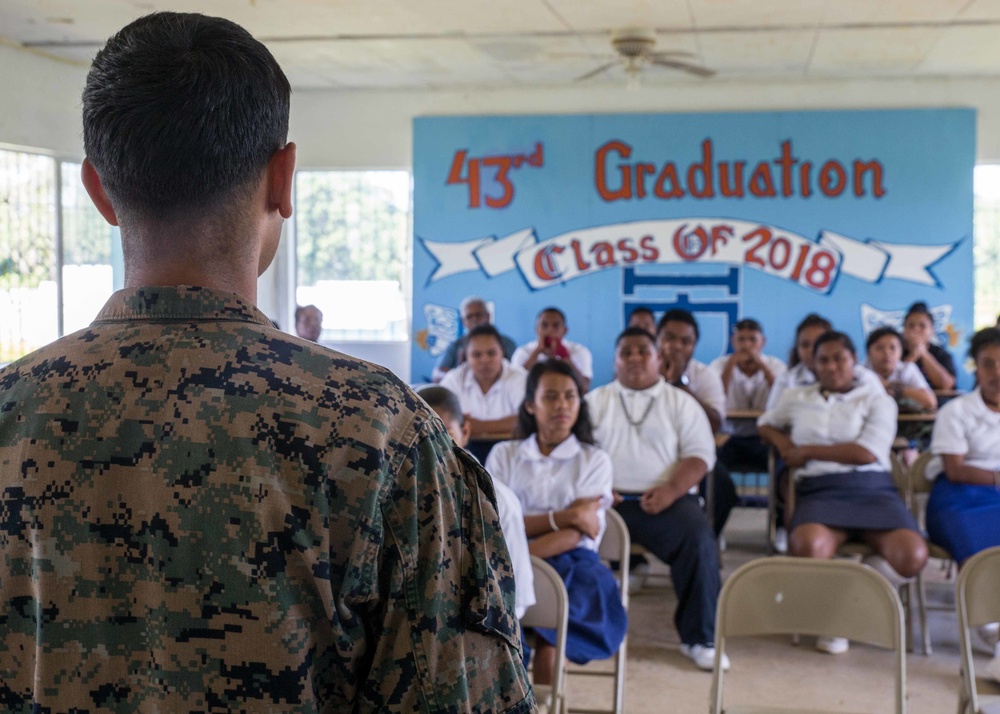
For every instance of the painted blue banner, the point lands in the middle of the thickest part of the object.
(851, 214)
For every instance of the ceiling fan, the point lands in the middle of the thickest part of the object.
(634, 50)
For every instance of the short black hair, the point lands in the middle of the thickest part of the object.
(483, 331)
(526, 422)
(442, 399)
(987, 337)
(555, 310)
(748, 323)
(807, 322)
(833, 336)
(678, 315)
(181, 114)
(641, 310)
(634, 332)
(919, 308)
(881, 332)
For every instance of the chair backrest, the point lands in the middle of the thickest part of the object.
(977, 604)
(838, 598)
(919, 481)
(616, 547)
(551, 611)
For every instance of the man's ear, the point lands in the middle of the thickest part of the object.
(92, 182)
(281, 177)
(466, 433)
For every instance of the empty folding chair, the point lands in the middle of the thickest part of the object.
(977, 599)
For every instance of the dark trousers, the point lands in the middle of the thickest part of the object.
(726, 498)
(681, 537)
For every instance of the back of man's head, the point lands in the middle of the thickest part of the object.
(181, 113)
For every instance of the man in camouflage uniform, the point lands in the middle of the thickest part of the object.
(197, 511)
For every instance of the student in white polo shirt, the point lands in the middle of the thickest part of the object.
(676, 337)
(747, 375)
(963, 511)
(838, 434)
(551, 343)
(489, 388)
(661, 447)
(564, 483)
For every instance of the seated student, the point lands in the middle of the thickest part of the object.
(902, 380)
(445, 405)
(473, 313)
(838, 434)
(747, 375)
(642, 317)
(934, 362)
(564, 484)
(551, 329)
(489, 388)
(676, 338)
(800, 370)
(661, 447)
(963, 511)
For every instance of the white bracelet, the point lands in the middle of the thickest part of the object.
(552, 522)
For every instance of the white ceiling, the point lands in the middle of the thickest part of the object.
(510, 44)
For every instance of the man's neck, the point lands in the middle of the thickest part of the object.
(640, 388)
(239, 282)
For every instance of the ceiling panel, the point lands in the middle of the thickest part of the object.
(877, 52)
(596, 16)
(773, 53)
(891, 11)
(757, 13)
(964, 51)
(981, 10)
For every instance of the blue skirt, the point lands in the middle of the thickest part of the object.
(857, 500)
(597, 620)
(963, 518)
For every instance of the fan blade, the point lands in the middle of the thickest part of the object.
(685, 67)
(666, 54)
(595, 72)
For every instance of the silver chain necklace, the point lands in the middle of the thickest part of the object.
(645, 414)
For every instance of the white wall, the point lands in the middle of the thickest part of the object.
(372, 129)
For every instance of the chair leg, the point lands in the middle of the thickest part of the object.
(922, 606)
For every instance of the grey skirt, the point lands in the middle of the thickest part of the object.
(857, 500)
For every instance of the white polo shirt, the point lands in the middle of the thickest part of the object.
(581, 356)
(907, 374)
(706, 384)
(512, 523)
(502, 400)
(670, 425)
(801, 376)
(965, 425)
(551, 483)
(866, 415)
(748, 391)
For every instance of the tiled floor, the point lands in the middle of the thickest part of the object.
(773, 671)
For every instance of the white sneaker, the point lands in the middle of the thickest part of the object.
(990, 634)
(992, 670)
(833, 645)
(781, 540)
(882, 567)
(704, 656)
(636, 577)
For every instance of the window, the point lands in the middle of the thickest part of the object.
(48, 221)
(352, 248)
(986, 246)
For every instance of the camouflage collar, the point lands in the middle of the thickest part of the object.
(182, 302)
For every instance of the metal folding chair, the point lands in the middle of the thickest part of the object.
(551, 610)
(978, 604)
(615, 547)
(788, 596)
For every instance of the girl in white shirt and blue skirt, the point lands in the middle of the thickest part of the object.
(564, 484)
(837, 434)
